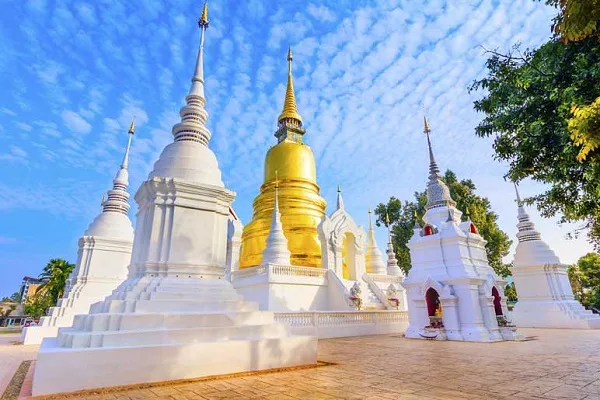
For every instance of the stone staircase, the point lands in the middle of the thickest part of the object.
(164, 328)
(370, 300)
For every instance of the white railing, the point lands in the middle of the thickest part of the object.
(380, 294)
(247, 272)
(291, 270)
(340, 318)
(386, 278)
(274, 270)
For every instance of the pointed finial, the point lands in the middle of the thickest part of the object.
(387, 218)
(468, 213)
(370, 222)
(131, 130)
(340, 200)
(290, 111)
(426, 128)
(417, 226)
(517, 192)
(203, 21)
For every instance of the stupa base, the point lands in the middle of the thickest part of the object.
(554, 314)
(61, 370)
(35, 334)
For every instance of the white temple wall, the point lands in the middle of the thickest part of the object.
(281, 297)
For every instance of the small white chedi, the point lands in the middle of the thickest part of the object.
(103, 257)
(176, 316)
(452, 292)
(545, 295)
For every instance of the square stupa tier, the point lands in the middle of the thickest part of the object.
(155, 329)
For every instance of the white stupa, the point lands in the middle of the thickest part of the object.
(452, 291)
(176, 316)
(373, 259)
(103, 257)
(392, 263)
(277, 251)
(545, 296)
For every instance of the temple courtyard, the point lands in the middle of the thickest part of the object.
(550, 364)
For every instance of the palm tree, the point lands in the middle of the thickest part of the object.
(54, 276)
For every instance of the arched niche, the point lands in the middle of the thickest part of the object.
(343, 245)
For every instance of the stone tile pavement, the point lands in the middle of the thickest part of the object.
(556, 364)
(11, 356)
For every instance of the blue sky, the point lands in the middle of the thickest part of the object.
(73, 73)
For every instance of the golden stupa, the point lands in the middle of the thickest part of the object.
(300, 204)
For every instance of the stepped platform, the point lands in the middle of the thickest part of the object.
(158, 329)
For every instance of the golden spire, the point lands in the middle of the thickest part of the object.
(131, 130)
(387, 218)
(290, 110)
(203, 21)
(426, 128)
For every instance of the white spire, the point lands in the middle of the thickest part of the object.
(438, 194)
(193, 115)
(373, 258)
(392, 263)
(526, 228)
(276, 251)
(117, 199)
(340, 200)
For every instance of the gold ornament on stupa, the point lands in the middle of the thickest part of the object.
(291, 164)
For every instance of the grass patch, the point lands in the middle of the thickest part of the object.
(14, 387)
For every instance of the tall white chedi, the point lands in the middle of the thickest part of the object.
(103, 256)
(176, 316)
(452, 291)
(277, 251)
(545, 295)
(373, 258)
(392, 263)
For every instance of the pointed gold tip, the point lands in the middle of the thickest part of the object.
(290, 111)
(426, 128)
(467, 211)
(416, 216)
(289, 56)
(131, 130)
(203, 21)
(387, 218)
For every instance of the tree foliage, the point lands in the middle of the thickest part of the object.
(403, 215)
(585, 280)
(527, 105)
(510, 292)
(577, 19)
(54, 276)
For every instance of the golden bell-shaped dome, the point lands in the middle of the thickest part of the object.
(292, 164)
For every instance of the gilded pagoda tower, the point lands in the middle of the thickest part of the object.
(291, 163)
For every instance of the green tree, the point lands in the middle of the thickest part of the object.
(585, 280)
(16, 297)
(37, 305)
(510, 292)
(54, 276)
(577, 19)
(527, 104)
(402, 217)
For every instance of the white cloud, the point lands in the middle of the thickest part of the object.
(75, 122)
(321, 13)
(23, 126)
(15, 154)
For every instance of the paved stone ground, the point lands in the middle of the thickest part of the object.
(557, 364)
(11, 357)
